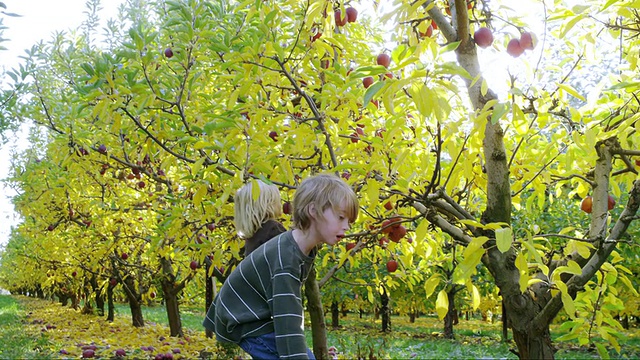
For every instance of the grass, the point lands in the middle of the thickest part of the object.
(355, 338)
(15, 343)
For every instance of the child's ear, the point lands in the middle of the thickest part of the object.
(312, 210)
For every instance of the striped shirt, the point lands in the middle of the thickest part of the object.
(263, 295)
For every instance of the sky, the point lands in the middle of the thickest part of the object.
(38, 21)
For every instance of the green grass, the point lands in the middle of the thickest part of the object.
(14, 342)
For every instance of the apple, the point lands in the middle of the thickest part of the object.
(350, 246)
(124, 256)
(429, 31)
(176, 351)
(141, 184)
(83, 151)
(392, 266)
(355, 137)
(102, 149)
(273, 135)
(86, 354)
(386, 226)
(611, 202)
(286, 208)
(325, 64)
(51, 227)
(152, 295)
(211, 226)
(160, 172)
(113, 282)
(388, 205)
(384, 60)
(397, 233)
(168, 52)
(587, 204)
(383, 241)
(368, 81)
(340, 21)
(388, 75)
(514, 48)
(352, 14)
(526, 41)
(74, 274)
(131, 176)
(120, 353)
(638, 163)
(316, 36)
(483, 37)
(345, 175)
(194, 265)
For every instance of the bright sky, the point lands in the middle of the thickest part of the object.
(39, 20)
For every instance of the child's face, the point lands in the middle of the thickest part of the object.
(332, 225)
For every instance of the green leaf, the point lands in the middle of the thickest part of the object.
(371, 91)
(498, 111)
(602, 351)
(504, 239)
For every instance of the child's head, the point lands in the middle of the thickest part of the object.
(251, 211)
(323, 191)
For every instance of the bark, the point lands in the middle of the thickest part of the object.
(110, 307)
(451, 316)
(335, 315)
(170, 295)
(135, 305)
(209, 295)
(505, 327)
(314, 306)
(385, 311)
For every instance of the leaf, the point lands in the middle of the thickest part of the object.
(475, 298)
(570, 24)
(504, 239)
(521, 264)
(431, 284)
(371, 91)
(573, 92)
(498, 112)
(421, 231)
(255, 190)
(573, 268)
(602, 351)
(442, 304)
(200, 193)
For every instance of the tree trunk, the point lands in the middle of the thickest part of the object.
(314, 306)
(505, 324)
(173, 314)
(451, 316)
(208, 294)
(385, 311)
(335, 315)
(412, 316)
(110, 307)
(170, 296)
(135, 305)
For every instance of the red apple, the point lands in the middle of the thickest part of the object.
(316, 36)
(194, 265)
(51, 227)
(141, 184)
(384, 60)
(514, 48)
(340, 20)
(428, 32)
(355, 138)
(152, 295)
(350, 246)
(102, 149)
(74, 274)
(638, 163)
(392, 266)
(397, 233)
(120, 353)
(368, 81)
(211, 226)
(352, 14)
(483, 37)
(346, 175)
(168, 52)
(124, 256)
(526, 41)
(388, 205)
(113, 282)
(273, 135)
(286, 207)
(587, 204)
(86, 354)
(611, 202)
(383, 241)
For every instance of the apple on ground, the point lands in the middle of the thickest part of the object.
(120, 353)
(384, 60)
(86, 354)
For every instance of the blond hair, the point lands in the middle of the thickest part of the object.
(254, 207)
(323, 191)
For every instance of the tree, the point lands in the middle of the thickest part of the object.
(197, 98)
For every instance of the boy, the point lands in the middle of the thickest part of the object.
(259, 307)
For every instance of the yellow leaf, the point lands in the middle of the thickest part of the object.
(200, 193)
(442, 304)
(571, 91)
(431, 283)
(475, 298)
(503, 239)
(573, 268)
(421, 231)
(255, 190)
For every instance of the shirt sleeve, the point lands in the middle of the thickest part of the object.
(288, 315)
